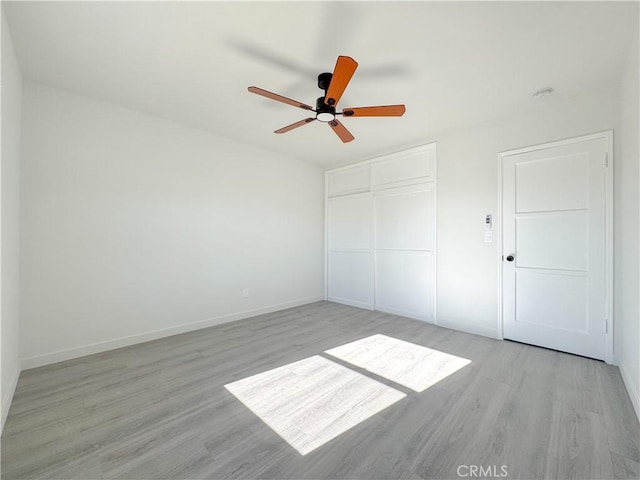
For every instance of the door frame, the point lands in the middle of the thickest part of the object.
(608, 137)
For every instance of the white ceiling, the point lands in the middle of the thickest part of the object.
(454, 64)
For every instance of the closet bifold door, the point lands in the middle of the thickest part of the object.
(350, 256)
(404, 249)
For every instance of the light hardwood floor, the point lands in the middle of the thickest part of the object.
(160, 409)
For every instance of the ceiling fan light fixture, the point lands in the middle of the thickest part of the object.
(324, 112)
(325, 117)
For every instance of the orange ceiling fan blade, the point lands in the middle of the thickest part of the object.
(342, 73)
(295, 125)
(382, 111)
(341, 131)
(279, 98)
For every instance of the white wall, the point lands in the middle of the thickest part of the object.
(468, 190)
(626, 285)
(11, 87)
(135, 227)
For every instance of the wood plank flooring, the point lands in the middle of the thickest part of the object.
(312, 401)
(160, 409)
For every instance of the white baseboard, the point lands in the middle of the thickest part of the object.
(68, 354)
(7, 396)
(351, 303)
(470, 328)
(402, 313)
(632, 388)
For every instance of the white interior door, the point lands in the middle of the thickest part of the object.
(554, 249)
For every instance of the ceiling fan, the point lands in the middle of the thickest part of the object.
(334, 85)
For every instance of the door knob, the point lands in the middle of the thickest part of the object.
(510, 258)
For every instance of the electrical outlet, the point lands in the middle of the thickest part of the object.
(245, 293)
(488, 236)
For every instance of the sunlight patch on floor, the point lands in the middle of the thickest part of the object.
(312, 401)
(404, 363)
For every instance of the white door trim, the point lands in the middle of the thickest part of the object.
(608, 137)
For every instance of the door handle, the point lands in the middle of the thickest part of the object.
(510, 258)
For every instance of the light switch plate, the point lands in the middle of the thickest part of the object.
(488, 236)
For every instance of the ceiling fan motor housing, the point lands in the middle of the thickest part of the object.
(324, 112)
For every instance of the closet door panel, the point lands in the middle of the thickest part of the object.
(351, 180)
(405, 168)
(349, 222)
(404, 220)
(351, 278)
(404, 284)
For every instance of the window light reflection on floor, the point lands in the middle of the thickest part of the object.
(314, 400)
(404, 363)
